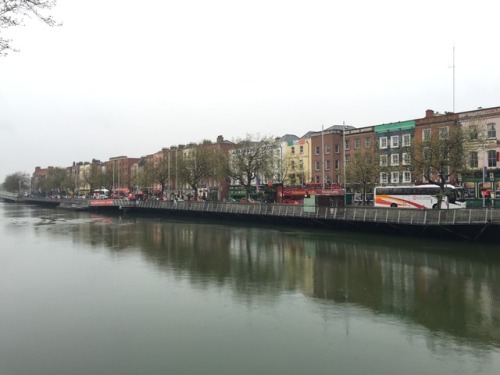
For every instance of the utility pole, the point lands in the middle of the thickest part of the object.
(453, 79)
(453, 68)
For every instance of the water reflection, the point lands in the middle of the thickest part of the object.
(450, 289)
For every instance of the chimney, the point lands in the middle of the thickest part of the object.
(220, 139)
(429, 113)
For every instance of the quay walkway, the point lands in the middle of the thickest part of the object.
(472, 224)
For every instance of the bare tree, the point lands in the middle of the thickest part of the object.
(95, 179)
(198, 164)
(253, 157)
(159, 170)
(16, 182)
(363, 170)
(13, 13)
(55, 180)
(138, 177)
(439, 156)
(476, 142)
(288, 172)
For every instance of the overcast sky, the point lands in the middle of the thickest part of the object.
(124, 77)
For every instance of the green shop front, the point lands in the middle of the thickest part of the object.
(482, 189)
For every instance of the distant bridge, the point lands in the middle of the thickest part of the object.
(8, 196)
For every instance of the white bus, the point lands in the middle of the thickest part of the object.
(421, 196)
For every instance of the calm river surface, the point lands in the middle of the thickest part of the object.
(82, 293)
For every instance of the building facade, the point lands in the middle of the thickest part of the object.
(328, 155)
(481, 175)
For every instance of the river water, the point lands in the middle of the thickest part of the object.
(83, 293)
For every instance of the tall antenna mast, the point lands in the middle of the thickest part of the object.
(453, 66)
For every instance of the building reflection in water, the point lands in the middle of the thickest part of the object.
(448, 288)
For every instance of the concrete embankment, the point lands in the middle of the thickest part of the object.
(464, 224)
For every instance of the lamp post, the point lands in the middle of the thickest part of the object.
(74, 174)
(483, 192)
(344, 162)
(176, 171)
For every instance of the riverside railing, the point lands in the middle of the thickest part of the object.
(353, 214)
(469, 216)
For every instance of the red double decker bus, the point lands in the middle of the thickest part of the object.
(296, 195)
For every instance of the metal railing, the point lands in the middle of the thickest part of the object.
(466, 216)
(353, 214)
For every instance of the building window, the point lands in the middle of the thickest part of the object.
(316, 150)
(317, 179)
(327, 148)
(490, 128)
(394, 159)
(492, 158)
(443, 132)
(406, 140)
(337, 148)
(426, 135)
(383, 142)
(347, 160)
(357, 144)
(293, 150)
(347, 146)
(368, 142)
(473, 159)
(383, 178)
(301, 149)
(292, 165)
(395, 141)
(301, 164)
(394, 177)
(383, 160)
(316, 165)
(328, 165)
(337, 164)
(406, 176)
(406, 158)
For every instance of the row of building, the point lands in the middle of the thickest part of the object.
(325, 156)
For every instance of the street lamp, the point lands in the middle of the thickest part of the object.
(344, 171)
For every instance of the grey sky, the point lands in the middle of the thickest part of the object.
(124, 77)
